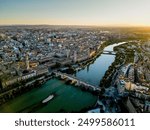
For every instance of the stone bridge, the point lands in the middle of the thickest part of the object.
(80, 83)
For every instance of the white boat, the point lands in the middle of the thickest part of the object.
(48, 99)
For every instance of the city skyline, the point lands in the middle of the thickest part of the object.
(71, 12)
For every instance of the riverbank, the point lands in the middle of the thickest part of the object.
(124, 55)
(24, 87)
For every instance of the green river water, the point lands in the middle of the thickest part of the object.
(68, 99)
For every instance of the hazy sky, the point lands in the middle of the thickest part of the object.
(76, 12)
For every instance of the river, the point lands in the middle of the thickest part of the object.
(94, 72)
(67, 98)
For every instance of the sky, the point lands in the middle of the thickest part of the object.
(76, 12)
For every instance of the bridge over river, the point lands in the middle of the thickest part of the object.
(78, 82)
(109, 52)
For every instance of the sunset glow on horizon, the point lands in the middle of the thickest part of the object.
(75, 12)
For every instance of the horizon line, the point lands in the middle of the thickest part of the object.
(132, 26)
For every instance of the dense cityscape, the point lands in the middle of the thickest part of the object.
(45, 68)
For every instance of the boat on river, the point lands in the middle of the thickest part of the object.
(50, 97)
